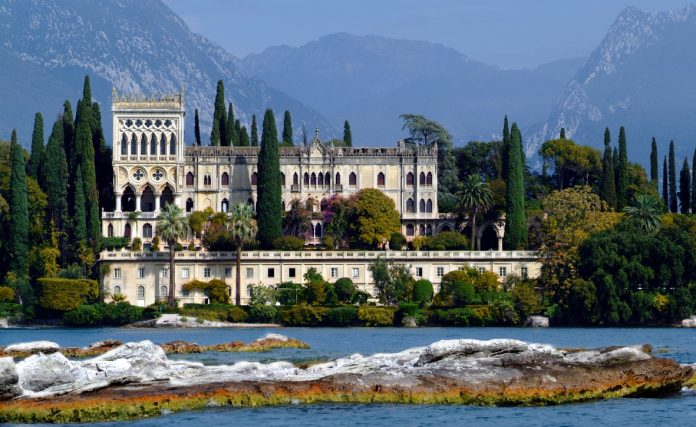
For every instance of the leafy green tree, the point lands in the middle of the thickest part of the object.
(480, 158)
(244, 138)
(243, 230)
(254, 132)
(646, 212)
(79, 217)
(422, 292)
(376, 218)
(693, 184)
(287, 129)
(297, 220)
(231, 133)
(269, 209)
(339, 214)
(392, 281)
(653, 164)
(608, 190)
(172, 227)
(18, 248)
(685, 188)
(347, 135)
(86, 158)
(197, 128)
(345, 289)
(665, 184)
(622, 178)
(55, 177)
(315, 287)
(562, 134)
(672, 179)
(69, 135)
(573, 164)
(218, 132)
(516, 223)
(505, 149)
(474, 197)
(37, 147)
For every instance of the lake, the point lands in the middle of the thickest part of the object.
(330, 343)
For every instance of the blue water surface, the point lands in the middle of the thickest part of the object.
(330, 343)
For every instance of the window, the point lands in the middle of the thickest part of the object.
(355, 273)
(440, 271)
(228, 272)
(224, 206)
(254, 178)
(271, 273)
(153, 145)
(164, 272)
(327, 179)
(295, 179)
(110, 231)
(306, 178)
(184, 293)
(429, 230)
(429, 206)
(429, 179)
(117, 290)
(419, 271)
(141, 273)
(172, 145)
(206, 272)
(421, 178)
(141, 291)
(333, 272)
(189, 179)
(409, 179)
(421, 206)
(481, 269)
(124, 145)
(313, 180)
(117, 273)
(143, 145)
(207, 180)
(524, 273)
(225, 179)
(163, 145)
(147, 230)
(410, 206)
(338, 179)
(164, 291)
(410, 230)
(292, 272)
(249, 273)
(134, 145)
(380, 179)
(282, 179)
(502, 271)
(185, 273)
(352, 179)
(249, 290)
(127, 230)
(320, 180)
(189, 205)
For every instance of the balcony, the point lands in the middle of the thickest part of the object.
(338, 188)
(295, 188)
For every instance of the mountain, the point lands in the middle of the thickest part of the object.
(641, 76)
(371, 80)
(136, 46)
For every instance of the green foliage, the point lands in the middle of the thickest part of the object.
(111, 243)
(66, 294)
(54, 177)
(137, 245)
(72, 271)
(218, 132)
(262, 314)
(377, 218)
(254, 132)
(447, 240)
(18, 242)
(376, 316)
(117, 314)
(37, 147)
(516, 223)
(231, 134)
(289, 243)
(289, 293)
(347, 135)
(197, 128)
(455, 316)
(693, 184)
(608, 184)
(216, 290)
(269, 209)
(302, 315)
(573, 164)
(287, 130)
(397, 242)
(6, 294)
(392, 281)
(672, 179)
(685, 188)
(345, 290)
(215, 312)
(646, 212)
(341, 316)
(474, 197)
(171, 226)
(155, 244)
(262, 295)
(653, 165)
(527, 301)
(622, 175)
(422, 292)
(315, 287)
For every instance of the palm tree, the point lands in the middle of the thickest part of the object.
(243, 229)
(474, 196)
(646, 212)
(171, 226)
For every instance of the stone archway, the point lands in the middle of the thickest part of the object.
(488, 238)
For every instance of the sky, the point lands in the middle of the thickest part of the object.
(509, 33)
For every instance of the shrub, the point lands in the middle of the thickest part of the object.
(84, 315)
(111, 243)
(72, 271)
(216, 290)
(329, 243)
(103, 315)
(447, 240)
(341, 316)
(215, 312)
(408, 309)
(345, 289)
(419, 242)
(503, 313)
(11, 311)
(457, 316)
(66, 294)
(526, 298)
(137, 245)
(191, 246)
(303, 315)
(376, 316)
(397, 241)
(262, 313)
(289, 243)
(6, 294)
(422, 292)
(178, 247)
(289, 293)
(155, 244)
(360, 297)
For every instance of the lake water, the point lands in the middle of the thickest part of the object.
(330, 343)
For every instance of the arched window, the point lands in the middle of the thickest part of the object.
(306, 178)
(147, 231)
(338, 179)
(421, 230)
(117, 289)
(295, 179)
(147, 200)
(421, 206)
(409, 179)
(313, 180)
(124, 145)
(207, 180)
(164, 291)
(327, 179)
(141, 291)
(189, 179)
(317, 230)
(410, 206)
(143, 145)
(352, 179)
(225, 205)
(410, 231)
(110, 231)
(429, 179)
(429, 206)
(163, 145)
(167, 197)
(225, 179)
(153, 145)
(421, 180)
(127, 231)
(134, 145)
(128, 200)
(429, 230)
(189, 205)
(320, 179)
(172, 145)
(282, 179)
(254, 178)
(380, 179)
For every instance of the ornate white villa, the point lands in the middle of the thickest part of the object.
(153, 167)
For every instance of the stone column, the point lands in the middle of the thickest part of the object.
(157, 202)
(500, 244)
(118, 202)
(137, 202)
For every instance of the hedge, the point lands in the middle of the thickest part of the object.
(117, 314)
(342, 316)
(111, 243)
(215, 289)
(215, 312)
(66, 294)
(376, 316)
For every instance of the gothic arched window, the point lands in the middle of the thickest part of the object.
(409, 179)
(410, 230)
(338, 179)
(380, 179)
(225, 179)
(143, 145)
(410, 206)
(134, 145)
(320, 179)
(172, 145)
(352, 179)
(189, 179)
(254, 178)
(124, 145)
(163, 145)
(421, 180)
(421, 206)
(306, 178)
(429, 180)
(153, 145)
(189, 205)
(429, 206)
(295, 179)
(147, 231)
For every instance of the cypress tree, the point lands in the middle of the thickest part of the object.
(665, 184)
(197, 128)
(238, 131)
(622, 179)
(685, 188)
(562, 134)
(102, 163)
(347, 136)
(79, 215)
(18, 244)
(693, 184)
(254, 132)
(37, 147)
(516, 224)
(615, 160)
(232, 134)
(85, 147)
(672, 179)
(506, 143)
(244, 139)
(287, 129)
(608, 190)
(269, 212)
(218, 133)
(55, 178)
(69, 134)
(653, 164)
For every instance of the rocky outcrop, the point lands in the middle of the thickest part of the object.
(172, 320)
(137, 379)
(689, 323)
(33, 347)
(537, 322)
(9, 379)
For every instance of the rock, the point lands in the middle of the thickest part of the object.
(272, 336)
(4, 323)
(689, 323)
(104, 344)
(409, 322)
(33, 347)
(9, 379)
(537, 322)
(42, 371)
